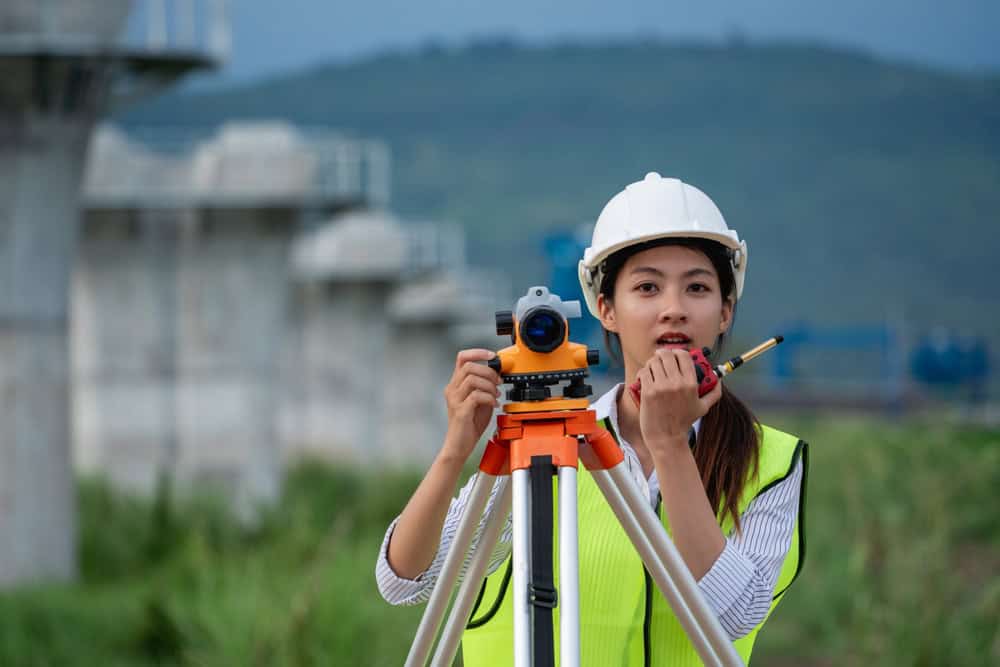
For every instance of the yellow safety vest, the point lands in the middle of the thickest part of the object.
(624, 620)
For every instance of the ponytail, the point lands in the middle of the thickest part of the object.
(727, 453)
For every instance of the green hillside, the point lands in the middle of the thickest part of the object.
(864, 188)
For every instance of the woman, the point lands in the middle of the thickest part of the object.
(663, 275)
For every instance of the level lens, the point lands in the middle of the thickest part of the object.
(543, 329)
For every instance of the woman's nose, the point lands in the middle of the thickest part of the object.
(672, 308)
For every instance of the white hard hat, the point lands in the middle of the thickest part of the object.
(656, 208)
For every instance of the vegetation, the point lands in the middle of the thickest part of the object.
(903, 551)
(867, 189)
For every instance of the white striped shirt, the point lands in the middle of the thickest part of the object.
(738, 587)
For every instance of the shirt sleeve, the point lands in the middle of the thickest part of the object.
(740, 585)
(398, 590)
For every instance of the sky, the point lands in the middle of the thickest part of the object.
(274, 37)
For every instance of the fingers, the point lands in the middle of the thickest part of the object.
(478, 398)
(473, 354)
(685, 365)
(472, 369)
(472, 380)
(473, 383)
(671, 369)
(470, 361)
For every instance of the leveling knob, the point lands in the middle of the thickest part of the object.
(505, 322)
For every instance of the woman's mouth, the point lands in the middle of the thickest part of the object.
(673, 340)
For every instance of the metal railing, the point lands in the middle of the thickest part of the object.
(240, 164)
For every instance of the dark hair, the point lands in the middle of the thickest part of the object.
(728, 447)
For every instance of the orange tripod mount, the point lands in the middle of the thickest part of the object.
(524, 434)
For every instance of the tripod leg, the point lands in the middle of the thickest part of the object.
(455, 625)
(718, 643)
(522, 567)
(438, 603)
(569, 570)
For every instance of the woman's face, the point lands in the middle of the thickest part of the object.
(665, 297)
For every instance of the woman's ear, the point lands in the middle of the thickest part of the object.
(607, 312)
(728, 305)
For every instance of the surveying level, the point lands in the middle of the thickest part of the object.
(538, 436)
(542, 355)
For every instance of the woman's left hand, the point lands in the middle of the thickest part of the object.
(670, 402)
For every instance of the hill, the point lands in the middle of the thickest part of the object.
(866, 189)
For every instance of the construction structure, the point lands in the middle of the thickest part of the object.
(381, 307)
(181, 297)
(63, 63)
(244, 298)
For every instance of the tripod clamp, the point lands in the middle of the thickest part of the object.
(540, 596)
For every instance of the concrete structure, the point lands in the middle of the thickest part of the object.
(181, 297)
(61, 61)
(382, 307)
(432, 318)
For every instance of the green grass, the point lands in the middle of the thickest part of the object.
(903, 556)
(903, 548)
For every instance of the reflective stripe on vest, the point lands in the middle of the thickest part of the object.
(613, 583)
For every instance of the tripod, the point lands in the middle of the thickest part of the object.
(533, 439)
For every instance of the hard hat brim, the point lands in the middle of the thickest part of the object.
(729, 241)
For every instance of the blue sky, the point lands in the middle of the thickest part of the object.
(272, 37)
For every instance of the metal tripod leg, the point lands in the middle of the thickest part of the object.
(569, 570)
(719, 648)
(438, 602)
(451, 636)
(522, 567)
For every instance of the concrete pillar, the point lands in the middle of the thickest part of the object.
(345, 271)
(178, 320)
(420, 359)
(340, 360)
(233, 280)
(428, 316)
(47, 109)
(124, 346)
(57, 59)
(41, 159)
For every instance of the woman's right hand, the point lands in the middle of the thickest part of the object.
(471, 395)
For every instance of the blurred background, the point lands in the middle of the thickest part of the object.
(241, 244)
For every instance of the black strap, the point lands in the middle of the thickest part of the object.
(541, 591)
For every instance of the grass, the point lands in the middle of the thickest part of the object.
(903, 556)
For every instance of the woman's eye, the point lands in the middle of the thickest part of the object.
(698, 287)
(646, 287)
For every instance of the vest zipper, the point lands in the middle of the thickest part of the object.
(647, 620)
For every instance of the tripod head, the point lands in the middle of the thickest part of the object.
(542, 355)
